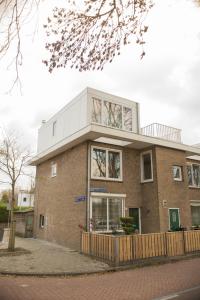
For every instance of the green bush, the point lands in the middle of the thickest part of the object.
(127, 225)
(3, 213)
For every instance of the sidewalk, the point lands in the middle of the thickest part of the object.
(45, 258)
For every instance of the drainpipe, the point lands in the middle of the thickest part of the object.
(88, 187)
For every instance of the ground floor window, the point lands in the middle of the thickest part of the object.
(106, 213)
(195, 210)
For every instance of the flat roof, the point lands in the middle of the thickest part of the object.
(95, 132)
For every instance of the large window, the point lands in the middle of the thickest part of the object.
(112, 114)
(193, 171)
(106, 213)
(106, 164)
(146, 167)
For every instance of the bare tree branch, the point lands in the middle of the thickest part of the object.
(13, 15)
(88, 39)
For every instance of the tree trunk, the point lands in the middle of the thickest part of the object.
(11, 243)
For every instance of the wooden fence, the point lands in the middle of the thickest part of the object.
(126, 248)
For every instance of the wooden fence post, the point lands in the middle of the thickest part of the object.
(166, 244)
(81, 233)
(116, 251)
(90, 243)
(184, 247)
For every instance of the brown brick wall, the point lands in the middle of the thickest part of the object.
(150, 205)
(55, 197)
(175, 193)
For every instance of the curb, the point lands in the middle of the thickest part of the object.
(135, 265)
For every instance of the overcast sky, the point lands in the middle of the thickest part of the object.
(166, 82)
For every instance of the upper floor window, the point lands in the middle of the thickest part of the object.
(146, 166)
(112, 114)
(106, 164)
(193, 171)
(54, 128)
(177, 173)
(53, 169)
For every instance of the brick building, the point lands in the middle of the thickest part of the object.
(95, 164)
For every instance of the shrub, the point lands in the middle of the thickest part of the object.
(3, 213)
(127, 225)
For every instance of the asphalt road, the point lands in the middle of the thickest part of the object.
(179, 281)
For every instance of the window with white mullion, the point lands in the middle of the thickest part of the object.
(106, 163)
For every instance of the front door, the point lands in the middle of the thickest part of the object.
(135, 214)
(174, 220)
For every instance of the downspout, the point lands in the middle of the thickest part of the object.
(88, 187)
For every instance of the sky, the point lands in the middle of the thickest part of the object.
(166, 82)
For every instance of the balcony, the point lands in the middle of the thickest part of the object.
(162, 132)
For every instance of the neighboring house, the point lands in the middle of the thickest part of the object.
(25, 198)
(95, 164)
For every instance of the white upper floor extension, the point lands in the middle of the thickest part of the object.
(89, 107)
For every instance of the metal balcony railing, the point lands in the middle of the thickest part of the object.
(162, 132)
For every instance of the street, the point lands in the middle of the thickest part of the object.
(180, 280)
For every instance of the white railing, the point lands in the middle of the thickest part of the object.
(163, 132)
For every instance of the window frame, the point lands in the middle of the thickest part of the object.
(107, 196)
(53, 165)
(54, 125)
(107, 150)
(101, 114)
(177, 208)
(142, 166)
(41, 221)
(181, 173)
(193, 185)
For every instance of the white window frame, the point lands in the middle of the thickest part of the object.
(107, 171)
(181, 175)
(178, 216)
(142, 166)
(54, 125)
(107, 196)
(193, 186)
(53, 169)
(40, 219)
(120, 104)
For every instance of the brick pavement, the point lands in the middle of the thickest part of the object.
(48, 258)
(139, 284)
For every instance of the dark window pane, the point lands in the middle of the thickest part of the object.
(147, 171)
(113, 164)
(98, 163)
(189, 173)
(196, 175)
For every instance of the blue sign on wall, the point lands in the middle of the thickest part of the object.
(98, 190)
(80, 199)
